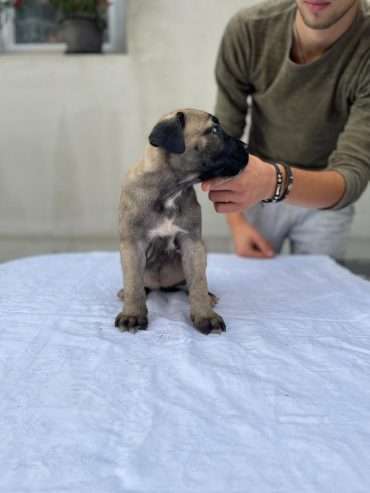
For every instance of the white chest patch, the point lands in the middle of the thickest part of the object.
(166, 228)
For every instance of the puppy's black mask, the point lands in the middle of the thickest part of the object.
(228, 161)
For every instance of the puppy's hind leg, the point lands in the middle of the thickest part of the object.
(173, 276)
(213, 299)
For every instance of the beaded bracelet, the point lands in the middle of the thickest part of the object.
(289, 179)
(279, 185)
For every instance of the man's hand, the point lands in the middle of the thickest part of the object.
(248, 242)
(255, 183)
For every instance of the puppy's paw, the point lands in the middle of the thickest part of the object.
(126, 322)
(210, 324)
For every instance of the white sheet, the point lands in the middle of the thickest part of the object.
(279, 403)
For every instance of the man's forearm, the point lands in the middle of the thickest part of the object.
(234, 219)
(316, 189)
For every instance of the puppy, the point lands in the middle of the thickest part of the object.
(160, 218)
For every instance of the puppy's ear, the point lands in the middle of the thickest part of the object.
(169, 134)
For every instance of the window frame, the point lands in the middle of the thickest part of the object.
(116, 26)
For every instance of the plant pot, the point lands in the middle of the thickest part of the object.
(82, 35)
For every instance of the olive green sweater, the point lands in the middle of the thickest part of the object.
(312, 116)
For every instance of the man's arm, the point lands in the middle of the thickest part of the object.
(339, 185)
(315, 189)
(351, 157)
(231, 74)
(248, 242)
(312, 189)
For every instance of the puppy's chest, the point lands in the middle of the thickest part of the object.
(167, 225)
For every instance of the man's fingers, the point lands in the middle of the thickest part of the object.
(263, 245)
(216, 184)
(225, 197)
(250, 251)
(257, 254)
(225, 208)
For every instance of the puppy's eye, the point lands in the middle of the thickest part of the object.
(212, 130)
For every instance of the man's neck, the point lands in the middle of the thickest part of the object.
(310, 44)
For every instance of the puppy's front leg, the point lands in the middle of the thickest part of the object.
(134, 314)
(194, 261)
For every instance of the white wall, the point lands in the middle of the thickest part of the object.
(71, 125)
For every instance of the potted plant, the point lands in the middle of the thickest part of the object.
(84, 22)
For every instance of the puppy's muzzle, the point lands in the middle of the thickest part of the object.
(230, 161)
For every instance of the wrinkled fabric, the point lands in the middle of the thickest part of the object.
(279, 403)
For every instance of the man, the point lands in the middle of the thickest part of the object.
(306, 65)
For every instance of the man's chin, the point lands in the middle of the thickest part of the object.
(318, 24)
(325, 19)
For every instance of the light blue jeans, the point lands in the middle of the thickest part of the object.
(309, 231)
